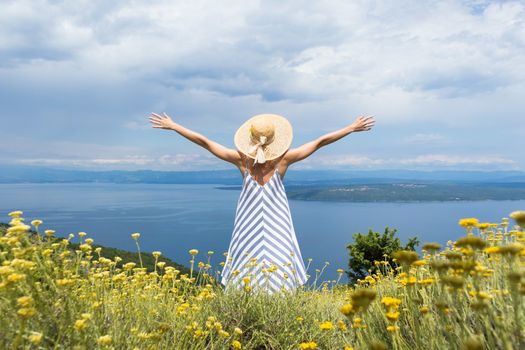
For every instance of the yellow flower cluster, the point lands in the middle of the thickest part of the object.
(468, 222)
(308, 345)
(326, 326)
(392, 313)
(483, 271)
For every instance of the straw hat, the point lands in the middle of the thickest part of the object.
(264, 137)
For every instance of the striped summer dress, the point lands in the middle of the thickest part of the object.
(263, 246)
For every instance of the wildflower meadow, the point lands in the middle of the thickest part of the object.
(467, 294)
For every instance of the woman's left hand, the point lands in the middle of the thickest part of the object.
(363, 123)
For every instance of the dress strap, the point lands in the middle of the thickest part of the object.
(276, 166)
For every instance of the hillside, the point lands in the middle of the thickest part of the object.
(232, 176)
(467, 295)
(148, 260)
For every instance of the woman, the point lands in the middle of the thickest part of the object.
(263, 251)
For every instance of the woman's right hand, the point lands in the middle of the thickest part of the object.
(161, 122)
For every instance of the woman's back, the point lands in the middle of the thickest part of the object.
(263, 246)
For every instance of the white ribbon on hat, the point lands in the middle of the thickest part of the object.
(258, 147)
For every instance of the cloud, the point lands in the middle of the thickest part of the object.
(335, 161)
(175, 162)
(318, 50)
(137, 125)
(206, 161)
(23, 147)
(425, 138)
(448, 160)
(430, 161)
(85, 72)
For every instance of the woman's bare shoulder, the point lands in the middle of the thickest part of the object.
(283, 165)
(242, 162)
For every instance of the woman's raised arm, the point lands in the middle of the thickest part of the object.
(296, 154)
(222, 152)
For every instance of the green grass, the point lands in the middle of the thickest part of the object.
(468, 295)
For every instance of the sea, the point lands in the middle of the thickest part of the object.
(174, 218)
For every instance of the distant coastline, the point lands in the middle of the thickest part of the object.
(43, 174)
(310, 185)
(404, 192)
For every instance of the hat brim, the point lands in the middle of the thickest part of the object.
(283, 136)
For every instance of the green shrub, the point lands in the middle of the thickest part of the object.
(373, 247)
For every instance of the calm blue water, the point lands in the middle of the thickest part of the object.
(176, 218)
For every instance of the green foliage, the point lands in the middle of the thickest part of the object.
(46, 303)
(374, 247)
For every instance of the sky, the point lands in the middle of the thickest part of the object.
(444, 80)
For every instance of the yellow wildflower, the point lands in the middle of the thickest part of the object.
(390, 302)
(347, 309)
(392, 316)
(472, 242)
(326, 326)
(419, 263)
(468, 222)
(105, 340)
(80, 324)
(16, 213)
(483, 225)
(129, 266)
(405, 256)
(424, 309)
(25, 301)
(308, 345)
(492, 250)
(194, 252)
(426, 281)
(15, 277)
(519, 217)
(36, 223)
(19, 228)
(6, 270)
(27, 311)
(483, 295)
(35, 338)
(64, 282)
(432, 246)
(392, 328)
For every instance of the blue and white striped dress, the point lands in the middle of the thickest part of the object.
(263, 246)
